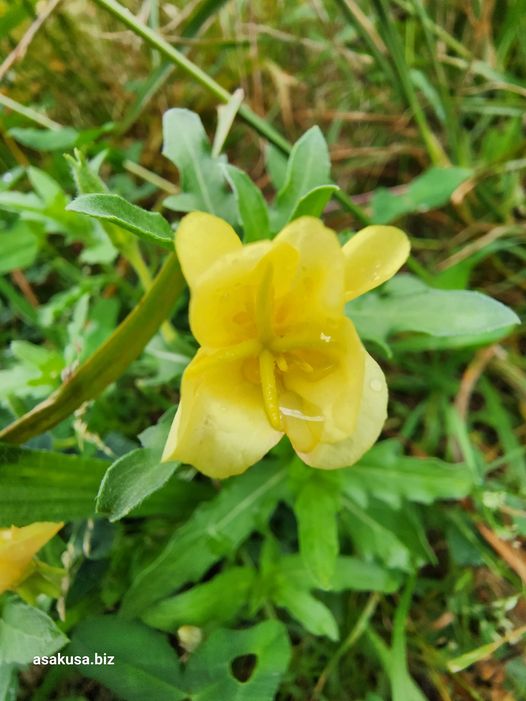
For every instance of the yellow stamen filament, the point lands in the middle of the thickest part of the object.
(269, 389)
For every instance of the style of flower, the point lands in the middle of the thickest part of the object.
(278, 354)
(18, 546)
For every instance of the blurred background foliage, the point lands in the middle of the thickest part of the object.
(398, 87)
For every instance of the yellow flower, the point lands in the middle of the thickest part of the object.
(278, 355)
(18, 546)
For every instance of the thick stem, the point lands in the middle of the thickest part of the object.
(108, 362)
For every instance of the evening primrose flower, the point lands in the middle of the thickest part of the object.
(18, 546)
(278, 355)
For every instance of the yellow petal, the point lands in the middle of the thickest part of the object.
(370, 420)
(221, 427)
(18, 546)
(201, 240)
(373, 256)
(318, 289)
(327, 386)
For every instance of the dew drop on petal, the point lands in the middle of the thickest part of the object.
(375, 385)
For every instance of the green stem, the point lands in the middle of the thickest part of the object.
(356, 633)
(108, 362)
(201, 77)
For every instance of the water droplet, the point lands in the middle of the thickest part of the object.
(375, 385)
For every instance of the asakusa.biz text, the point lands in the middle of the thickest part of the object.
(60, 659)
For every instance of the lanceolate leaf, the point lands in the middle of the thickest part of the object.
(313, 203)
(130, 480)
(392, 477)
(251, 205)
(316, 510)
(136, 475)
(150, 226)
(200, 175)
(214, 602)
(407, 304)
(308, 168)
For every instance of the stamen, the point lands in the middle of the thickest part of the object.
(282, 364)
(269, 389)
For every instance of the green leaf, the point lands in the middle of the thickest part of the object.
(214, 530)
(308, 168)
(150, 226)
(313, 203)
(431, 190)
(39, 485)
(395, 537)
(350, 573)
(209, 672)
(26, 632)
(156, 672)
(305, 608)
(182, 202)
(61, 139)
(130, 480)
(316, 510)
(392, 477)
(46, 187)
(145, 664)
(134, 476)
(251, 205)
(201, 175)
(407, 304)
(276, 164)
(23, 203)
(8, 682)
(87, 180)
(216, 602)
(18, 247)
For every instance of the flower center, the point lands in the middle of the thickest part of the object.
(275, 357)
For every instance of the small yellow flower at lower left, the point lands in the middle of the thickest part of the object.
(18, 547)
